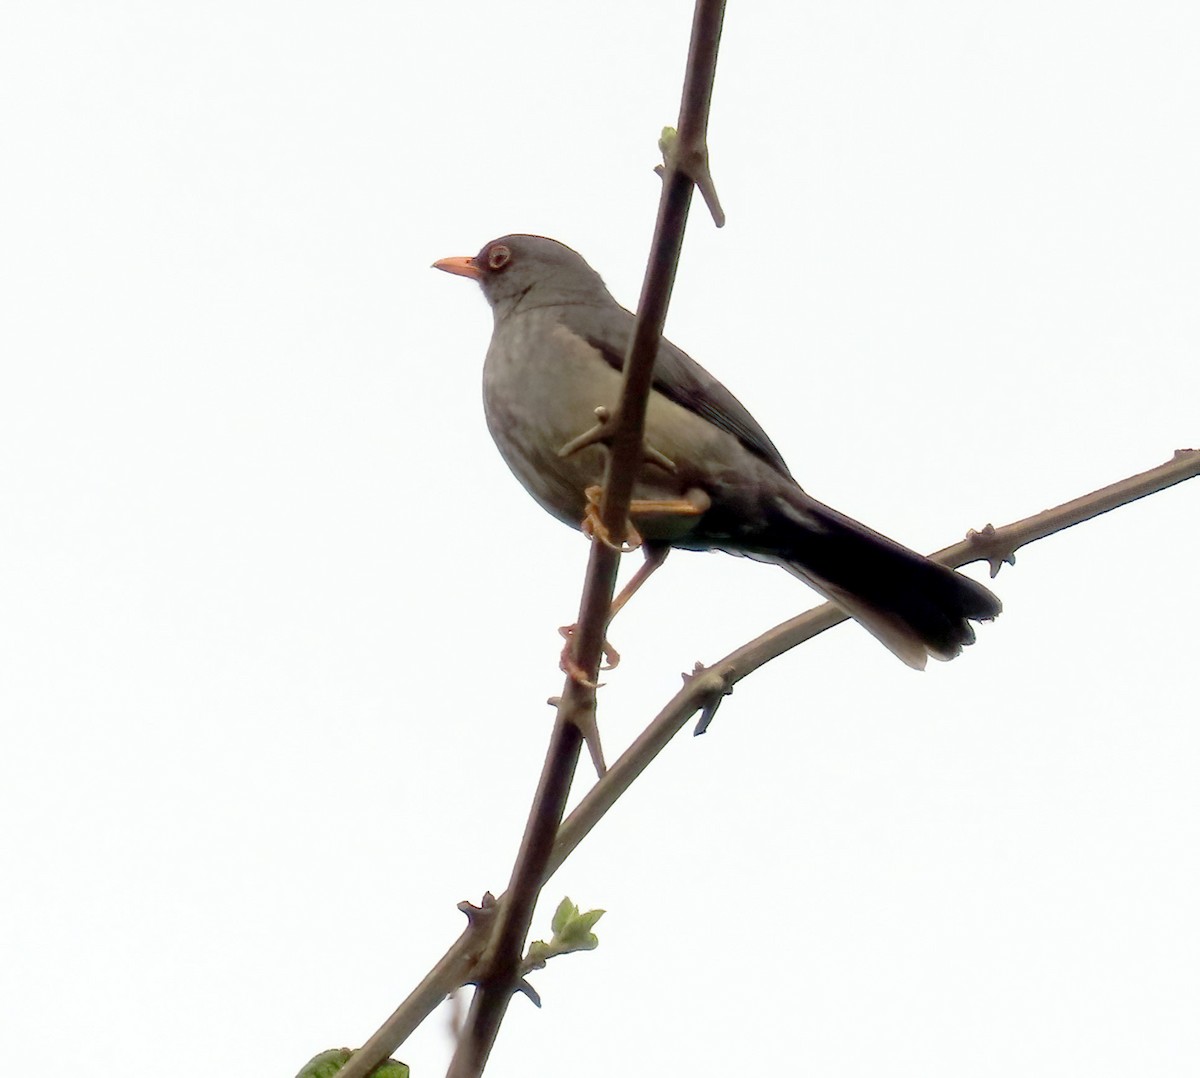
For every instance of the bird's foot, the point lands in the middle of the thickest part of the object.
(695, 503)
(593, 527)
(570, 667)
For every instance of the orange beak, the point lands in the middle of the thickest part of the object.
(464, 267)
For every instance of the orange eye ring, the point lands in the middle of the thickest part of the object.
(498, 257)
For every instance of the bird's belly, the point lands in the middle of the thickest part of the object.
(538, 398)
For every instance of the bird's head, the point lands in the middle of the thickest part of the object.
(527, 271)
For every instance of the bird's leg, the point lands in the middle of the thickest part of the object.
(655, 555)
(693, 504)
(593, 527)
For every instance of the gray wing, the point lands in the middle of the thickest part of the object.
(676, 376)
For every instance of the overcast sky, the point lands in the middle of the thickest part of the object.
(277, 626)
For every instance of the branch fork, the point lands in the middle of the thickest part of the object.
(702, 691)
(712, 687)
(989, 548)
(602, 434)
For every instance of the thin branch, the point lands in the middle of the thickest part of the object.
(500, 969)
(710, 684)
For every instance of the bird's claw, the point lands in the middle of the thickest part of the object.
(593, 527)
(568, 665)
(577, 673)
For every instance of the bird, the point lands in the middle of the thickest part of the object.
(711, 480)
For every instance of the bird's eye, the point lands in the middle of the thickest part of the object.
(498, 257)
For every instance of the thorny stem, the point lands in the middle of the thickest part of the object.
(995, 545)
(499, 971)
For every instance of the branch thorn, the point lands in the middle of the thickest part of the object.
(692, 161)
(715, 688)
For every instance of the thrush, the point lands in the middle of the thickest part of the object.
(712, 479)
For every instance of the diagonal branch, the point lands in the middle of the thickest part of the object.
(700, 692)
(500, 968)
(704, 689)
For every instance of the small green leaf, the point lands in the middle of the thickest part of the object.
(580, 927)
(572, 932)
(589, 919)
(393, 1068)
(324, 1064)
(327, 1064)
(567, 911)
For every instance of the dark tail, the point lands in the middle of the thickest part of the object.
(912, 605)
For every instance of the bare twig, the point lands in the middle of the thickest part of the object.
(500, 972)
(710, 683)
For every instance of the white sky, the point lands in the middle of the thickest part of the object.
(276, 624)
